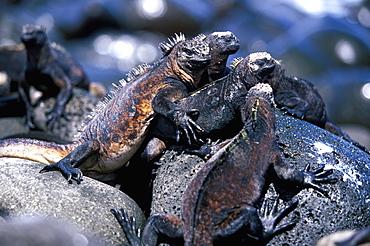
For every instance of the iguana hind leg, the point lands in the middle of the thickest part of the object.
(271, 218)
(157, 224)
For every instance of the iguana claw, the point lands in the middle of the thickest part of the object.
(66, 169)
(271, 218)
(312, 178)
(128, 225)
(187, 125)
(53, 118)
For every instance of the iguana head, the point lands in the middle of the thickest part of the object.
(223, 42)
(189, 59)
(34, 35)
(258, 112)
(193, 54)
(259, 67)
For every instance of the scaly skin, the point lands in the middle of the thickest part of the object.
(51, 70)
(298, 97)
(222, 45)
(119, 124)
(223, 197)
(218, 103)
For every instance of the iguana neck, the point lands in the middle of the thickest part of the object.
(184, 75)
(38, 54)
(260, 118)
(218, 62)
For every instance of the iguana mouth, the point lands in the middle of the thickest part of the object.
(266, 71)
(232, 49)
(199, 64)
(28, 38)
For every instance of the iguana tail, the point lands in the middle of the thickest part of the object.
(35, 150)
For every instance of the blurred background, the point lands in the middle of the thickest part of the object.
(324, 41)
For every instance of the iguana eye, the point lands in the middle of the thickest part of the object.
(188, 52)
(261, 62)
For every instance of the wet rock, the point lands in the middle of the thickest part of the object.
(25, 193)
(346, 207)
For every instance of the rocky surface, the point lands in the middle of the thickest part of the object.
(346, 207)
(77, 110)
(25, 193)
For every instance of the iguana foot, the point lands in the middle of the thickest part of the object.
(53, 118)
(270, 220)
(129, 226)
(66, 169)
(294, 112)
(185, 124)
(208, 149)
(312, 178)
(28, 119)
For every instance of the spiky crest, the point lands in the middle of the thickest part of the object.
(59, 48)
(131, 75)
(166, 47)
(236, 62)
(28, 27)
(200, 36)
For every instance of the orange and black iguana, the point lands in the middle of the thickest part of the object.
(224, 196)
(119, 124)
(51, 70)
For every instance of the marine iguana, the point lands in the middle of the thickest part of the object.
(119, 124)
(223, 197)
(218, 104)
(51, 70)
(296, 96)
(222, 45)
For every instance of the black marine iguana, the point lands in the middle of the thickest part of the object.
(296, 96)
(222, 45)
(223, 197)
(51, 70)
(119, 124)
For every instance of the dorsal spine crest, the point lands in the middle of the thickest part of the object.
(200, 37)
(166, 47)
(236, 62)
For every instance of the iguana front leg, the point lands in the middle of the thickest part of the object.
(292, 104)
(163, 104)
(68, 166)
(65, 86)
(23, 90)
(304, 179)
